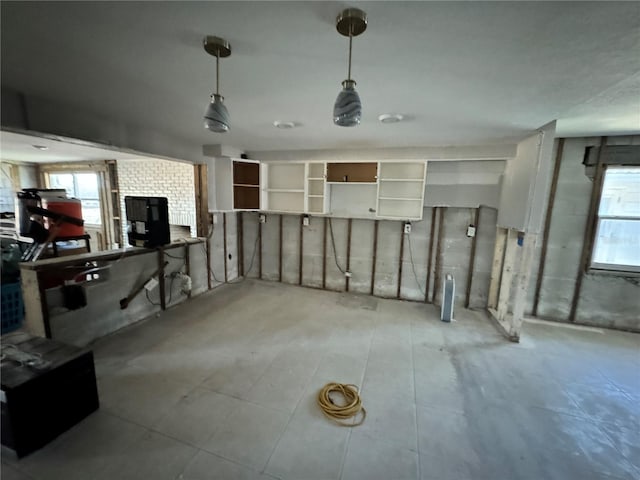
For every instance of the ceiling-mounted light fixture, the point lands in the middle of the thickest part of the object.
(347, 110)
(216, 118)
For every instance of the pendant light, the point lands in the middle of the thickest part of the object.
(347, 110)
(216, 118)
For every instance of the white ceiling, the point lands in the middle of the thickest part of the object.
(22, 148)
(462, 73)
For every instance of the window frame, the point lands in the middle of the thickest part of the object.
(609, 268)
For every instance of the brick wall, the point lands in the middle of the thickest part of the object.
(160, 178)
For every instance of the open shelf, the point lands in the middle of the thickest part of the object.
(401, 199)
(316, 171)
(352, 172)
(402, 170)
(285, 190)
(401, 180)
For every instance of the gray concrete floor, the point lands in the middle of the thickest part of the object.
(224, 388)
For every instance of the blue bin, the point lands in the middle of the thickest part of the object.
(12, 307)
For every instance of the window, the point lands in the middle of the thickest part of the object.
(617, 240)
(84, 187)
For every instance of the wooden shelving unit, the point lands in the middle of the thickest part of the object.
(246, 185)
(316, 188)
(401, 190)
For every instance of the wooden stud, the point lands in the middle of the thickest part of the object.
(259, 248)
(590, 228)
(375, 254)
(430, 255)
(163, 304)
(280, 248)
(301, 252)
(348, 254)
(240, 237)
(202, 199)
(224, 249)
(547, 226)
(187, 263)
(207, 251)
(496, 267)
(401, 259)
(472, 258)
(506, 280)
(324, 254)
(438, 270)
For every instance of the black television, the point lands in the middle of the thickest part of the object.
(147, 221)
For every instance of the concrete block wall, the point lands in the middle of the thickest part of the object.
(455, 253)
(605, 300)
(160, 178)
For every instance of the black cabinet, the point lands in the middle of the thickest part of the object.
(47, 387)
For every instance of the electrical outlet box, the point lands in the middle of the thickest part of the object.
(151, 284)
(263, 218)
(407, 227)
(347, 274)
(471, 231)
(214, 218)
(305, 220)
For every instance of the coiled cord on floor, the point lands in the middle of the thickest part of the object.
(351, 407)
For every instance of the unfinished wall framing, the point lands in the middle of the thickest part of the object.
(381, 259)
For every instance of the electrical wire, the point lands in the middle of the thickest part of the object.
(349, 407)
(333, 244)
(241, 279)
(413, 266)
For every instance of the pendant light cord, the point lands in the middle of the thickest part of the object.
(217, 74)
(350, 43)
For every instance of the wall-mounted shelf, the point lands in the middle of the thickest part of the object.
(237, 184)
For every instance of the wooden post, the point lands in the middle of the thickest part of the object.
(590, 228)
(163, 304)
(547, 226)
(348, 254)
(401, 259)
(375, 254)
(280, 249)
(187, 263)
(202, 199)
(324, 254)
(430, 255)
(496, 267)
(259, 248)
(300, 254)
(438, 272)
(472, 258)
(207, 251)
(224, 249)
(507, 275)
(240, 237)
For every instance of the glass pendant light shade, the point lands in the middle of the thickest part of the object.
(347, 111)
(216, 118)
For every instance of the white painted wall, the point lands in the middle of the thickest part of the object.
(526, 182)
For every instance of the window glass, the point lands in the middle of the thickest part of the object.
(87, 185)
(63, 180)
(617, 241)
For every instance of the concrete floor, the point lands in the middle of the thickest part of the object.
(224, 388)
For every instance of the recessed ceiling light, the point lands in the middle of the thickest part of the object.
(284, 125)
(41, 147)
(390, 118)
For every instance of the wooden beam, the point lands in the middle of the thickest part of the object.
(375, 254)
(224, 249)
(202, 199)
(401, 259)
(301, 252)
(496, 267)
(590, 228)
(430, 255)
(348, 254)
(324, 254)
(547, 226)
(472, 260)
